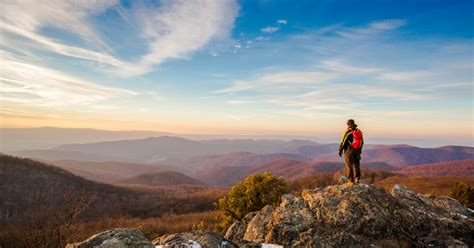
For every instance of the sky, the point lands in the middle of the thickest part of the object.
(401, 69)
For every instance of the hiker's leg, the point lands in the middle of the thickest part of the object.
(357, 168)
(348, 160)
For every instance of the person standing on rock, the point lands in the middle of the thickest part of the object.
(351, 144)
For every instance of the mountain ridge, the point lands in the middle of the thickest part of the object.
(162, 178)
(156, 149)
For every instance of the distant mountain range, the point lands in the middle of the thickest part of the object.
(197, 153)
(108, 172)
(47, 137)
(155, 149)
(289, 169)
(405, 155)
(158, 149)
(13, 139)
(226, 161)
(165, 178)
(226, 170)
(446, 168)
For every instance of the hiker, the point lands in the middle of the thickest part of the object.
(351, 144)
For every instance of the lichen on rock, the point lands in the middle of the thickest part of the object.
(360, 215)
(115, 238)
(204, 239)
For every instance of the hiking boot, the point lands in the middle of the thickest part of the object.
(357, 180)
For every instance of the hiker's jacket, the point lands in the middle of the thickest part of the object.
(347, 139)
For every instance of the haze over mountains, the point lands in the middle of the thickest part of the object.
(165, 178)
(155, 149)
(405, 155)
(446, 168)
(12, 139)
(220, 162)
(168, 148)
(47, 137)
(108, 172)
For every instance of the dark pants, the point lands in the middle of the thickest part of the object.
(352, 160)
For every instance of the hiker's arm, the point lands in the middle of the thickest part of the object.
(341, 145)
(343, 141)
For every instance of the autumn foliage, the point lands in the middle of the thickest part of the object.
(463, 193)
(252, 194)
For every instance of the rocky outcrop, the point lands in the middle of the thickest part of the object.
(204, 239)
(115, 238)
(359, 215)
(134, 238)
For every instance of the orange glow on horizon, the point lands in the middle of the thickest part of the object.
(237, 128)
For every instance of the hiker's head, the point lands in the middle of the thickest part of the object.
(351, 124)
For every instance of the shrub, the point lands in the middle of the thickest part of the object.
(463, 193)
(252, 194)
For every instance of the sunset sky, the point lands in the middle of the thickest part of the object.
(401, 69)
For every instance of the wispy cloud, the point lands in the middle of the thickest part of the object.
(178, 28)
(71, 16)
(31, 84)
(339, 66)
(237, 86)
(235, 102)
(172, 30)
(288, 78)
(348, 75)
(372, 28)
(260, 38)
(270, 29)
(273, 29)
(239, 117)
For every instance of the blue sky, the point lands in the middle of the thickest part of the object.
(402, 69)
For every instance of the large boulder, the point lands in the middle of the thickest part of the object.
(359, 215)
(195, 239)
(237, 230)
(115, 238)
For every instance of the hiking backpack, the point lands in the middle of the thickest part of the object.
(357, 141)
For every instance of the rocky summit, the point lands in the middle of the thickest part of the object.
(345, 215)
(358, 215)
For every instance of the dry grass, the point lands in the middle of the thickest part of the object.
(425, 185)
(13, 236)
(151, 227)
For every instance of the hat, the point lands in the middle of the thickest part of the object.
(351, 123)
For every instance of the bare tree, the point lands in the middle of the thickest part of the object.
(49, 225)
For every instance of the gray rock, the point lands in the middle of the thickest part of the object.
(257, 228)
(115, 238)
(360, 215)
(237, 230)
(206, 239)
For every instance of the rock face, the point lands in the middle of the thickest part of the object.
(194, 239)
(115, 238)
(358, 215)
(134, 238)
